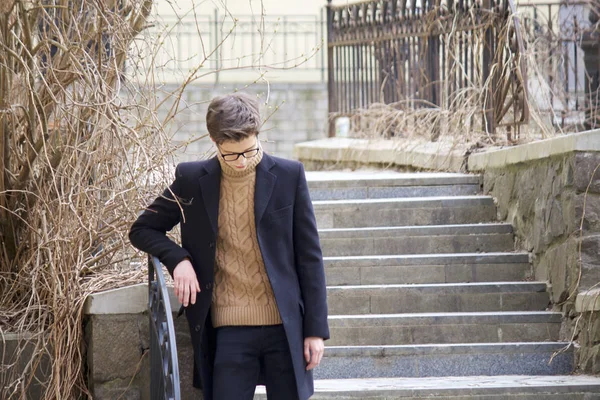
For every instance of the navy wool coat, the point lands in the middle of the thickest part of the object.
(288, 239)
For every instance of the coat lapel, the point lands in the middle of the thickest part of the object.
(265, 183)
(210, 187)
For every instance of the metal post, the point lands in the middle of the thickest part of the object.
(488, 53)
(322, 22)
(330, 76)
(285, 41)
(217, 36)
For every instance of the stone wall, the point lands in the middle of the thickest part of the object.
(587, 330)
(22, 366)
(556, 218)
(296, 112)
(550, 192)
(543, 201)
(117, 337)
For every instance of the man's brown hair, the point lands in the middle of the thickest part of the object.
(233, 117)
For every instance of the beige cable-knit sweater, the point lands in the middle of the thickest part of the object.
(243, 293)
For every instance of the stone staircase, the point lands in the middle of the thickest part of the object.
(428, 297)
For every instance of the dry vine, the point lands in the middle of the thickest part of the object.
(75, 156)
(83, 148)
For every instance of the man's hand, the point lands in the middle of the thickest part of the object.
(313, 351)
(186, 283)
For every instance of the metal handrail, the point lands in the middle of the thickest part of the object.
(164, 366)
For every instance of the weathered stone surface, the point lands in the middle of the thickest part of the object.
(504, 184)
(115, 340)
(590, 359)
(117, 389)
(585, 165)
(559, 264)
(16, 351)
(588, 355)
(123, 340)
(543, 199)
(591, 216)
(590, 275)
(590, 332)
(536, 199)
(590, 249)
(588, 301)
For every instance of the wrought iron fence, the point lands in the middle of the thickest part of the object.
(224, 46)
(555, 32)
(425, 53)
(164, 367)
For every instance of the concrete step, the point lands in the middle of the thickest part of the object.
(427, 268)
(443, 328)
(404, 211)
(417, 240)
(337, 185)
(505, 387)
(466, 359)
(445, 297)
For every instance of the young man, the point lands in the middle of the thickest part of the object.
(249, 271)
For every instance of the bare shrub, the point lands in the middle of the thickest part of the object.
(83, 148)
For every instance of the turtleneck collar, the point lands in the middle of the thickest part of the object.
(231, 172)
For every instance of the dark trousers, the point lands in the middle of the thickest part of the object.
(242, 353)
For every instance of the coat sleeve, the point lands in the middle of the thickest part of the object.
(148, 232)
(309, 262)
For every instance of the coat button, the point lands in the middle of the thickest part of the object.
(208, 286)
(197, 328)
(212, 244)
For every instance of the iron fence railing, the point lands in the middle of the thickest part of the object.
(424, 53)
(223, 45)
(555, 31)
(164, 367)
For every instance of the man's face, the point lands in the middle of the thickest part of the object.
(230, 147)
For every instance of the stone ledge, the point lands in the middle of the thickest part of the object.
(126, 300)
(438, 156)
(588, 301)
(584, 141)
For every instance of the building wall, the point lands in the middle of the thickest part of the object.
(294, 112)
(235, 42)
(243, 7)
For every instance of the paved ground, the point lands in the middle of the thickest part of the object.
(469, 382)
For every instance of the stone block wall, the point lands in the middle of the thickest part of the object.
(587, 330)
(555, 217)
(550, 192)
(295, 112)
(118, 340)
(22, 366)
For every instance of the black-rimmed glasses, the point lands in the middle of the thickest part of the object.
(234, 156)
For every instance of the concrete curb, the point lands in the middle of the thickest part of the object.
(131, 299)
(439, 156)
(430, 156)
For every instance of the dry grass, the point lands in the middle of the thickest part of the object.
(460, 115)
